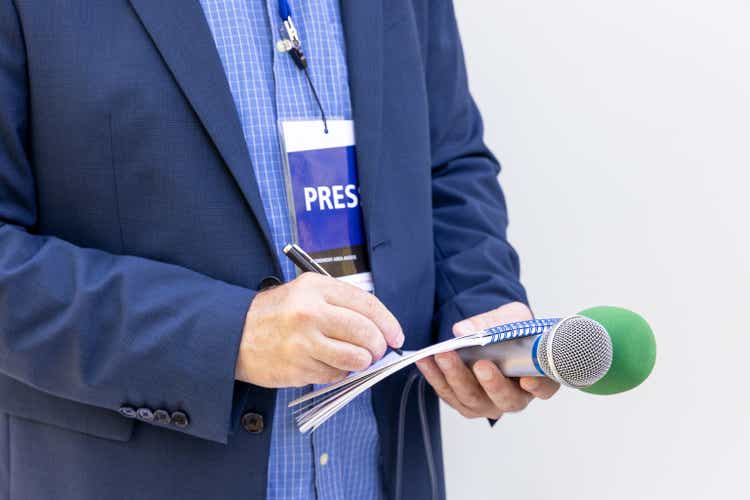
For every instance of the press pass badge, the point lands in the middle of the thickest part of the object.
(323, 194)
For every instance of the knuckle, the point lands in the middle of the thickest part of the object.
(375, 343)
(500, 402)
(487, 410)
(491, 387)
(348, 359)
(350, 325)
(365, 335)
(460, 409)
(517, 404)
(514, 408)
(343, 359)
(371, 305)
(304, 313)
(307, 279)
(473, 399)
(466, 413)
(502, 397)
(441, 387)
(297, 344)
(362, 359)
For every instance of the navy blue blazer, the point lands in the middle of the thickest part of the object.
(133, 239)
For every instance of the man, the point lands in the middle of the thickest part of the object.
(148, 347)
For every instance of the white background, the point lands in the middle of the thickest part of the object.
(624, 133)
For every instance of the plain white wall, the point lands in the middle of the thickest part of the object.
(624, 133)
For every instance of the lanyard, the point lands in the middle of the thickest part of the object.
(291, 44)
(284, 10)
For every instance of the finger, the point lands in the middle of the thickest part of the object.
(504, 392)
(539, 387)
(464, 384)
(436, 379)
(342, 294)
(341, 355)
(348, 326)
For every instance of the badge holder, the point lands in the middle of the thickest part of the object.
(323, 196)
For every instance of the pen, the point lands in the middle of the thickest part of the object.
(302, 260)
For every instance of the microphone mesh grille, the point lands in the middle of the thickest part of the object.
(581, 351)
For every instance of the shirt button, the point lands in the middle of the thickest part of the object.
(324, 459)
(252, 422)
(268, 282)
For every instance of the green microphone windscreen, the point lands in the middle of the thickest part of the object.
(633, 349)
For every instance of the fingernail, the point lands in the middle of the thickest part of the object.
(531, 384)
(443, 361)
(483, 372)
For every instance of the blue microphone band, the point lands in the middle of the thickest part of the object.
(534, 356)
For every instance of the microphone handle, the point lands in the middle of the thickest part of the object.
(516, 358)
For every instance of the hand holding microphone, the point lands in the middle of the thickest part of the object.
(602, 350)
(482, 390)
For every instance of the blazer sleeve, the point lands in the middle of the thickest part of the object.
(476, 268)
(96, 328)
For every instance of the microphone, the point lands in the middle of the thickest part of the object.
(601, 350)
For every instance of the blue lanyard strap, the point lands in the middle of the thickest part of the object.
(285, 12)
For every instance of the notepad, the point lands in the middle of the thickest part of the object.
(315, 408)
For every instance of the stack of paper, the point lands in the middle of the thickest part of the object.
(326, 402)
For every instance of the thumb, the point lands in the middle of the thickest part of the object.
(464, 327)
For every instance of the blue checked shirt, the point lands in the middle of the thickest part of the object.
(340, 460)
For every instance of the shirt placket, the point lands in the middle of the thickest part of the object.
(291, 103)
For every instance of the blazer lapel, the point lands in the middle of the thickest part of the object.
(363, 33)
(182, 36)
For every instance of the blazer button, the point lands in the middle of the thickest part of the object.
(127, 411)
(268, 282)
(252, 423)
(180, 419)
(162, 417)
(145, 414)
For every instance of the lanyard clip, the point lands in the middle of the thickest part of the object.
(284, 45)
(291, 43)
(290, 32)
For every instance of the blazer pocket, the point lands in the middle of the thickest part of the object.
(23, 401)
